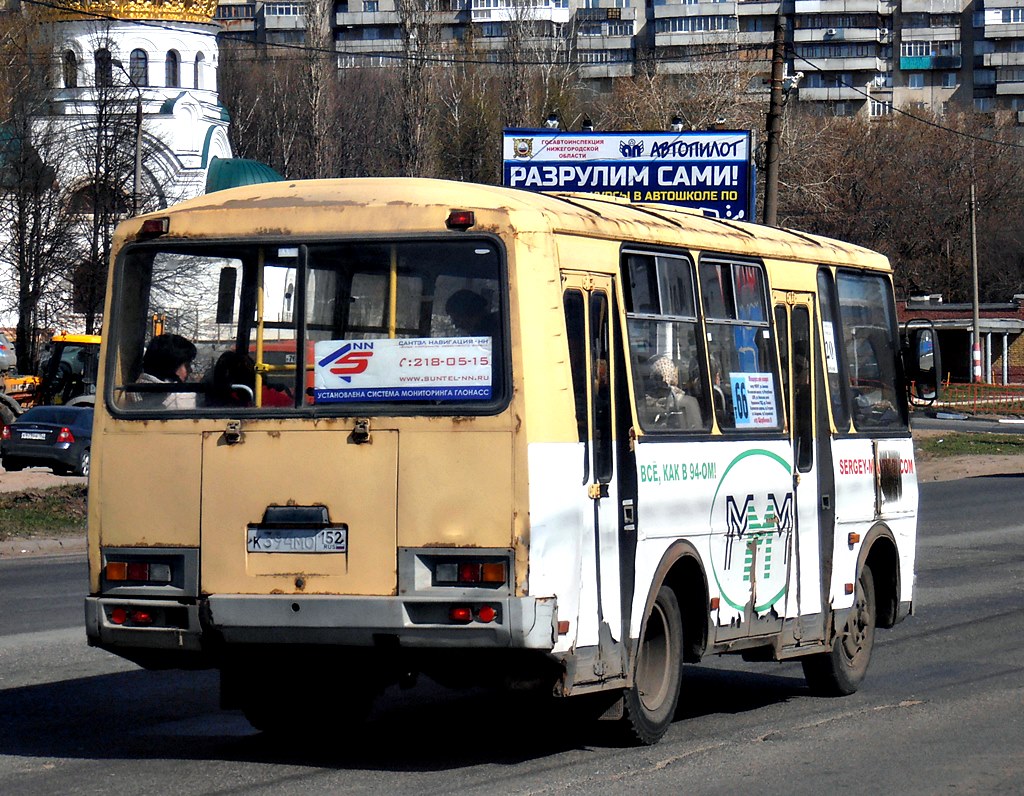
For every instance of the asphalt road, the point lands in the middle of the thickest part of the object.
(941, 710)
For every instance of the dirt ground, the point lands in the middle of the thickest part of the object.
(929, 468)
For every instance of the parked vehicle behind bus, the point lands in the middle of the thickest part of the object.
(549, 440)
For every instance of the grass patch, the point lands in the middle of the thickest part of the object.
(972, 445)
(60, 511)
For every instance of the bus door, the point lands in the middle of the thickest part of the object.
(813, 486)
(588, 302)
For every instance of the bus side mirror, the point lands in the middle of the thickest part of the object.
(922, 363)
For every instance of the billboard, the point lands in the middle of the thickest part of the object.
(709, 171)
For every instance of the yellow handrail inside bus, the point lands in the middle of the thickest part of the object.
(258, 384)
(393, 294)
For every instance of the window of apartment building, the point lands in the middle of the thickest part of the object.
(1010, 74)
(849, 50)
(815, 21)
(1016, 46)
(620, 29)
(695, 24)
(590, 29)
(879, 108)
(370, 6)
(882, 80)
(984, 77)
(915, 80)
(983, 46)
(756, 24)
(1012, 16)
(843, 108)
(945, 21)
(949, 79)
(284, 9)
(829, 80)
(984, 104)
(492, 30)
(978, 19)
(914, 49)
(915, 21)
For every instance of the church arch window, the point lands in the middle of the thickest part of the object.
(139, 67)
(104, 66)
(70, 69)
(199, 68)
(172, 69)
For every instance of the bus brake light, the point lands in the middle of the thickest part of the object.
(460, 613)
(460, 219)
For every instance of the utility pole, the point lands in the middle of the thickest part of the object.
(976, 352)
(774, 123)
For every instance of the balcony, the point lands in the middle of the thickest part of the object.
(1010, 30)
(925, 62)
(833, 94)
(865, 64)
(1011, 89)
(543, 11)
(842, 7)
(841, 34)
(936, 6)
(1003, 59)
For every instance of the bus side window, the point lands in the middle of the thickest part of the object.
(870, 338)
(741, 353)
(576, 337)
(665, 353)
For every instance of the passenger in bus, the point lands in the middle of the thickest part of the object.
(470, 314)
(168, 360)
(666, 402)
(720, 402)
(234, 383)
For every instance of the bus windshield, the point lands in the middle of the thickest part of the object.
(325, 327)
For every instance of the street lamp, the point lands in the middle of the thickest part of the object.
(137, 180)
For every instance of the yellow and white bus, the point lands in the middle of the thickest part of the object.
(484, 434)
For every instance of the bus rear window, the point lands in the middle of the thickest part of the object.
(411, 325)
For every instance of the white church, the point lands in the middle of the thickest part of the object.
(164, 53)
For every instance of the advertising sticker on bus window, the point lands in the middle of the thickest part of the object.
(753, 400)
(406, 369)
(829, 336)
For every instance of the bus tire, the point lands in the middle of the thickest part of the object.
(650, 704)
(841, 671)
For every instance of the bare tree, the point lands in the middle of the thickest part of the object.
(415, 102)
(36, 229)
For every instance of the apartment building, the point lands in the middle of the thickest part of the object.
(856, 56)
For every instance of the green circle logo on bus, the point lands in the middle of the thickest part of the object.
(753, 552)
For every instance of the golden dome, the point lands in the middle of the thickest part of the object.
(171, 10)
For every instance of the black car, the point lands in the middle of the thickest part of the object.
(49, 436)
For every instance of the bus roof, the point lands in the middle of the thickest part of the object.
(367, 204)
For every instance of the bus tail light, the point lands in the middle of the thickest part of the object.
(137, 571)
(468, 573)
(154, 227)
(460, 219)
(464, 614)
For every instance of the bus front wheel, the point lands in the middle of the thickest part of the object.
(841, 671)
(650, 704)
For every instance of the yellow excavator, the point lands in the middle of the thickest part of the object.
(67, 375)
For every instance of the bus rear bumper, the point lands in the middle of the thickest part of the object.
(511, 622)
(415, 622)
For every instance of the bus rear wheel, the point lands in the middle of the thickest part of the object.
(650, 704)
(841, 671)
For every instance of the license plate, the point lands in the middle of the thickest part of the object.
(33, 435)
(297, 540)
